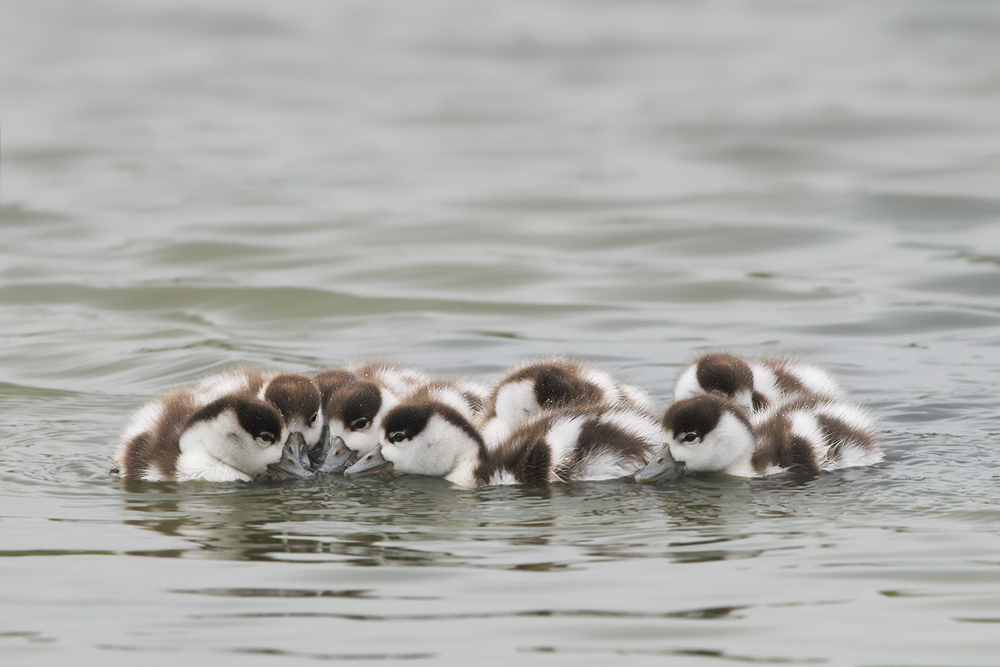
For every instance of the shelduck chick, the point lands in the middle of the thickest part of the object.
(178, 438)
(356, 398)
(709, 433)
(297, 397)
(756, 384)
(431, 438)
(552, 384)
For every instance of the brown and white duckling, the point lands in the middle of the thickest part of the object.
(554, 383)
(297, 397)
(711, 433)
(179, 437)
(356, 398)
(589, 443)
(756, 384)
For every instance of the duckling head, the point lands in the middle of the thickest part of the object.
(723, 374)
(297, 398)
(243, 433)
(354, 414)
(709, 433)
(426, 438)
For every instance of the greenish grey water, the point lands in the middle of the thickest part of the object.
(458, 186)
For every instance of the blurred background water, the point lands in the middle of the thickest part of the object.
(459, 186)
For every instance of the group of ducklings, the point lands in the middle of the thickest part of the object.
(553, 420)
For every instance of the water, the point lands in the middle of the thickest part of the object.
(459, 186)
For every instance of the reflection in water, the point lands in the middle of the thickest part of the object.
(404, 521)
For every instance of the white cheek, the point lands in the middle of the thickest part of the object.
(271, 454)
(391, 452)
(312, 433)
(361, 442)
(679, 450)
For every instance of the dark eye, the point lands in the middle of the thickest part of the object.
(689, 437)
(359, 424)
(312, 420)
(396, 436)
(267, 437)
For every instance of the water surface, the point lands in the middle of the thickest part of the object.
(459, 186)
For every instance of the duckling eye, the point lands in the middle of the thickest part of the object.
(396, 436)
(690, 437)
(312, 420)
(359, 424)
(267, 437)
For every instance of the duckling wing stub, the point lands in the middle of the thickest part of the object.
(535, 465)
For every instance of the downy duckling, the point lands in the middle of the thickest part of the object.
(550, 384)
(571, 444)
(297, 397)
(756, 384)
(178, 437)
(357, 396)
(710, 433)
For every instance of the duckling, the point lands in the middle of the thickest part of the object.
(426, 437)
(756, 384)
(360, 395)
(178, 437)
(711, 433)
(357, 397)
(297, 397)
(554, 383)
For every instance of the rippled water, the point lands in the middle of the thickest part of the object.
(458, 186)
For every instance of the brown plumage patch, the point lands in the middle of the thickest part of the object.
(533, 466)
(787, 382)
(840, 435)
(724, 373)
(330, 380)
(512, 455)
(556, 384)
(355, 400)
(294, 395)
(158, 447)
(699, 414)
(599, 438)
(778, 446)
(254, 416)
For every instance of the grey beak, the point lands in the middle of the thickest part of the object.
(290, 466)
(371, 462)
(338, 457)
(319, 451)
(663, 467)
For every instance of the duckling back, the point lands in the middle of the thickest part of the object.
(808, 437)
(148, 448)
(554, 384)
(574, 444)
(756, 385)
